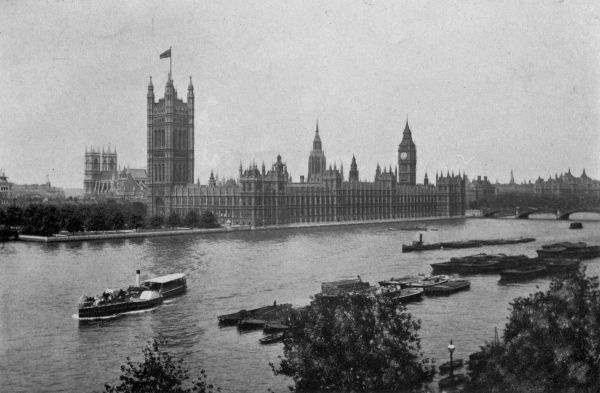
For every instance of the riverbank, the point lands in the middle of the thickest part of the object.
(130, 234)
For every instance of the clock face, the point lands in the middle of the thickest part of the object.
(403, 155)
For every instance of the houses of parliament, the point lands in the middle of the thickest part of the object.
(261, 197)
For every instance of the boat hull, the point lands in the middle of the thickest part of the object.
(108, 310)
(174, 291)
(523, 274)
(583, 253)
(268, 313)
(448, 288)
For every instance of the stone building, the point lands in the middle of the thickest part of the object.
(24, 194)
(567, 185)
(265, 198)
(514, 187)
(102, 177)
(5, 190)
(480, 191)
(100, 173)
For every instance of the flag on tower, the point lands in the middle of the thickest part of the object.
(166, 54)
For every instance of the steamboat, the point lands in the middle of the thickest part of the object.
(149, 294)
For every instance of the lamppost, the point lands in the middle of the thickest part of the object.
(451, 350)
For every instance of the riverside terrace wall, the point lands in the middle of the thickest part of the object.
(186, 231)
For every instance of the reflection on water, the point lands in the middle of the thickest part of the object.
(41, 284)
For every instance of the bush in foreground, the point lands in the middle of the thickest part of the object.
(551, 343)
(158, 373)
(353, 343)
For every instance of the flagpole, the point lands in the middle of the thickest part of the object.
(170, 62)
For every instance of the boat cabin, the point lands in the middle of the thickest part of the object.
(169, 285)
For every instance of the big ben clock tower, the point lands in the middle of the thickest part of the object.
(407, 159)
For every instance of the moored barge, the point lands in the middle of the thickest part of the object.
(448, 288)
(579, 250)
(420, 246)
(523, 273)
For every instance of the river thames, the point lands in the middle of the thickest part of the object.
(44, 348)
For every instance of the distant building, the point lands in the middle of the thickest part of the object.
(102, 178)
(263, 198)
(23, 194)
(513, 187)
(567, 185)
(5, 190)
(131, 184)
(100, 174)
(480, 191)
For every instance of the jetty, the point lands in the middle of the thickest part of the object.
(257, 318)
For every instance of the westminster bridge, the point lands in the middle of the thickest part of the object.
(524, 213)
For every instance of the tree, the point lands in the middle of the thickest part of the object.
(41, 220)
(551, 343)
(191, 219)
(158, 373)
(208, 220)
(173, 220)
(156, 222)
(98, 219)
(353, 343)
(74, 222)
(138, 208)
(136, 221)
(117, 220)
(14, 216)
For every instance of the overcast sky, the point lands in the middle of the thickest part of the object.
(486, 86)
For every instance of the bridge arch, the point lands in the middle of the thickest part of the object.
(567, 215)
(499, 213)
(527, 213)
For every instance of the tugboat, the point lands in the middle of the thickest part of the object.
(113, 302)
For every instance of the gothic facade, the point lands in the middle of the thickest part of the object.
(100, 170)
(261, 197)
(567, 185)
(103, 178)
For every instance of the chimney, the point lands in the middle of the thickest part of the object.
(302, 179)
(137, 278)
(485, 178)
(478, 178)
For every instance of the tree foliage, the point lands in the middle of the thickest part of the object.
(117, 220)
(41, 220)
(48, 218)
(551, 343)
(173, 220)
(353, 343)
(208, 220)
(155, 222)
(14, 216)
(191, 219)
(158, 373)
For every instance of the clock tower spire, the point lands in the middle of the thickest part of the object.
(407, 159)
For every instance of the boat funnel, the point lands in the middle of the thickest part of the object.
(420, 238)
(137, 278)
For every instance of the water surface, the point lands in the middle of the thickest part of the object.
(42, 348)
